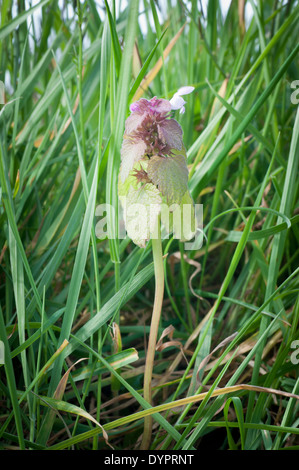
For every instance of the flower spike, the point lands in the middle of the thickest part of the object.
(153, 173)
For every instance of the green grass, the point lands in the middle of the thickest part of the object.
(70, 77)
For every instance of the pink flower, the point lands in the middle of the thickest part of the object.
(153, 106)
(154, 168)
(149, 130)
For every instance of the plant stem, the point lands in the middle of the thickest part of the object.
(159, 293)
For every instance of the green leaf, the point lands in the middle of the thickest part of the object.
(114, 39)
(239, 414)
(121, 359)
(170, 175)
(141, 207)
(180, 218)
(11, 382)
(15, 22)
(126, 292)
(75, 285)
(70, 408)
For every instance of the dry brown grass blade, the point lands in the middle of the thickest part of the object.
(241, 12)
(197, 266)
(155, 70)
(189, 341)
(169, 332)
(13, 330)
(205, 361)
(136, 62)
(242, 348)
(116, 338)
(211, 247)
(247, 346)
(63, 381)
(56, 354)
(221, 93)
(201, 396)
(84, 317)
(239, 144)
(249, 388)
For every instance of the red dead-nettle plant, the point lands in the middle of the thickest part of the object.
(153, 190)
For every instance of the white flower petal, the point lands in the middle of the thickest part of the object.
(177, 102)
(185, 90)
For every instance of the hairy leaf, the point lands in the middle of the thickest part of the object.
(180, 218)
(141, 207)
(170, 175)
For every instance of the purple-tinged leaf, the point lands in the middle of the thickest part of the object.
(170, 175)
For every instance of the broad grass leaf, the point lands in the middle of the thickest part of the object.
(71, 408)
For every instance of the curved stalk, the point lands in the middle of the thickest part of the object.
(150, 357)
